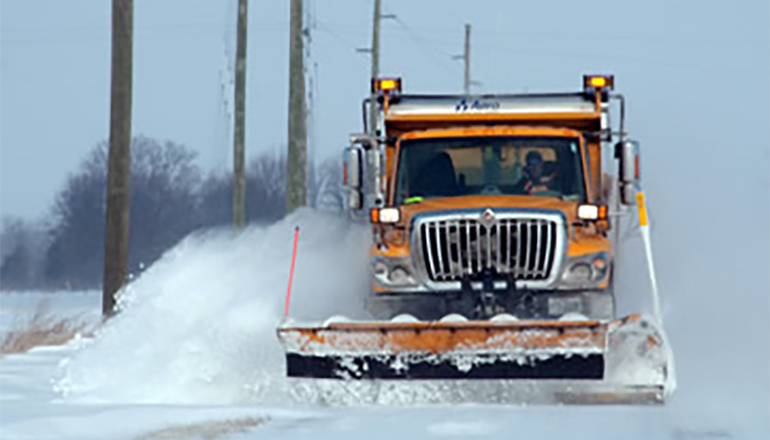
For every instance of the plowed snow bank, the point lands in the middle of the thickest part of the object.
(199, 325)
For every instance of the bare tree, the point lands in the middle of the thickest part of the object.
(326, 188)
(266, 183)
(265, 186)
(23, 251)
(165, 184)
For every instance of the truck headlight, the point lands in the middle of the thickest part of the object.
(588, 212)
(393, 272)
(384, 215)
(585, 271)
(579, 272)
(592, 212)
(599, 264)
(399, 275)
(380, 269)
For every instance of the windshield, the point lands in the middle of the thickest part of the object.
(492, 165)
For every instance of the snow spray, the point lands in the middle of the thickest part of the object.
(198, 326)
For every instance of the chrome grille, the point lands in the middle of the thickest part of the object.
(452, 247)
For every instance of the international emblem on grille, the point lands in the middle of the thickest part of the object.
(487, 218)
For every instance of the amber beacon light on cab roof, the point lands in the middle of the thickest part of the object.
(494, 221)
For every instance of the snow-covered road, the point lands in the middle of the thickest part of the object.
(194, 355)
(32, 410)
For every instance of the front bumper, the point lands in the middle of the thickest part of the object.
(551, 304)
(579, 273)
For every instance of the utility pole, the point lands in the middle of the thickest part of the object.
(296, 188)
(466, 57)
(239, 132)
(375, 54)
(375, 65)
(119, 159)
(467, 60)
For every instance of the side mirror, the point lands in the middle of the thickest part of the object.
(630, 173)
(370, 165)
(351, 176)
(352, 168)
(362, 172)
(374, 161)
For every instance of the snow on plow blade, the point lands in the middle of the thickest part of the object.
(624, 358)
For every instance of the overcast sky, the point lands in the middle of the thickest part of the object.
(694, 73)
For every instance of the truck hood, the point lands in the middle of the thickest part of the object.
(568, 208)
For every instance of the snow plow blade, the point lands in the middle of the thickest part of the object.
(590, 361)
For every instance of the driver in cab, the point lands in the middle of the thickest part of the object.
(535, 179)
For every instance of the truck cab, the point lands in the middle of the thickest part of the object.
(493, 205)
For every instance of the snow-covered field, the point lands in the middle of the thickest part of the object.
(194, 354)
(18, 308)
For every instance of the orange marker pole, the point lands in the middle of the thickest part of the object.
(291, 271)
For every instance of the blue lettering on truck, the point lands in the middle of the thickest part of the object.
(464, 105)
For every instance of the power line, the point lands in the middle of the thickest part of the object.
(427, 48)
(281, 25)
(614, 59)
(321, 26)
(560, 35)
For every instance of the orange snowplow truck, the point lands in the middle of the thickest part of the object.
(489, 204)
(492, 255)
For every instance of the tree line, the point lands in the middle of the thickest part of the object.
(170, 198)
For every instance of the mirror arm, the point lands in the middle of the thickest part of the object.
(365, 112)
(367, 141)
